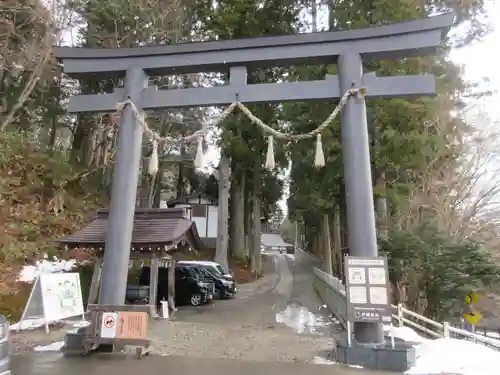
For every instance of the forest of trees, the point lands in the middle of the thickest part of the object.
(435, 187)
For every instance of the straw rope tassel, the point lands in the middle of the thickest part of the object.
(319, 157)
(270, 162)
(153, 160)
(198, 160)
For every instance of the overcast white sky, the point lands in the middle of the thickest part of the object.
(479, 61)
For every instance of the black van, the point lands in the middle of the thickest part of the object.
(224, 287)
(190, 288)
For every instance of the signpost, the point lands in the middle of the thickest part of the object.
(471, 316)
(367, 290)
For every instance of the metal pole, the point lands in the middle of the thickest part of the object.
(358, 179)
(123, 196)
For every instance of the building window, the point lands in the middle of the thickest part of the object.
(199, 210)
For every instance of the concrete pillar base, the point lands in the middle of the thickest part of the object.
(377, 357)
(73, 342)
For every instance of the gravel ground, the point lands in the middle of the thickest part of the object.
(25, 341)
(250, 343)
(246, 327)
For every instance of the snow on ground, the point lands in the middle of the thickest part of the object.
(301, 319)
(54, 347)
(29, 273)
(405, 334)
(27, 324)
(40, 322)
(453, 356)
(444, 355)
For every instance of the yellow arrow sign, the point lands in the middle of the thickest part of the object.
(472, 318)
(471, 298)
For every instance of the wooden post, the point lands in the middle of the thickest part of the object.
(94, 284)
(153, 287)
(171, 284)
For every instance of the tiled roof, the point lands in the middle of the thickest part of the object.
(152, 227)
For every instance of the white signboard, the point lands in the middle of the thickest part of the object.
(357, 294)
(62, 296)
(357, 276)
(376, 276)
(378, 295)
(367, 289)
(108, 325)
(54, 297)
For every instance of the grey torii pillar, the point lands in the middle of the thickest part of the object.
(123, 196)
(362, 238)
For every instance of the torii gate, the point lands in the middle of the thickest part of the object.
(344, 48)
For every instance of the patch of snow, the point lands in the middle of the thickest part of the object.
(80, 324)
(54, 347)
(30, 324)
(405, 334)
(443, 355)
(322, 361)
(300, 319)
(452, 356)
(30, 273)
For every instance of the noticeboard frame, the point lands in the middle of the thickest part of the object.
(357, 280)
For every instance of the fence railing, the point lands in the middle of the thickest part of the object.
(332, 292)
(435, 329)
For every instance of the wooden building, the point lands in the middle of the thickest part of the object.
(157, 234)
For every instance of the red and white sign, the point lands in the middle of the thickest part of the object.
(109, 322)
(108, 325)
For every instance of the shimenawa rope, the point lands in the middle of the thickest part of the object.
(319, 158)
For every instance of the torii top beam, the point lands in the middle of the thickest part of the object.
(400, 40)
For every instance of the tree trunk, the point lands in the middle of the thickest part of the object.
(327, 249)
(180, 186)
(314, 16)
(223, 212)
(337, 241)
(381, 206)
(247, 218)
(144, 185)
(238, 217)
(255, 255)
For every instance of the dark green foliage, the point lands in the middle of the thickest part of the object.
(437, 271)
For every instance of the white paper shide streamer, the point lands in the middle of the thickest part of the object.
(198, 160)
(319, 156)
(153, 160)
(270, 162)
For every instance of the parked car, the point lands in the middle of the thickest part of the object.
(217, 268)
(4, 346)
(224, 287)
(190, 288)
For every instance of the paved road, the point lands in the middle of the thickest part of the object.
(54, 364)
(274, 326)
